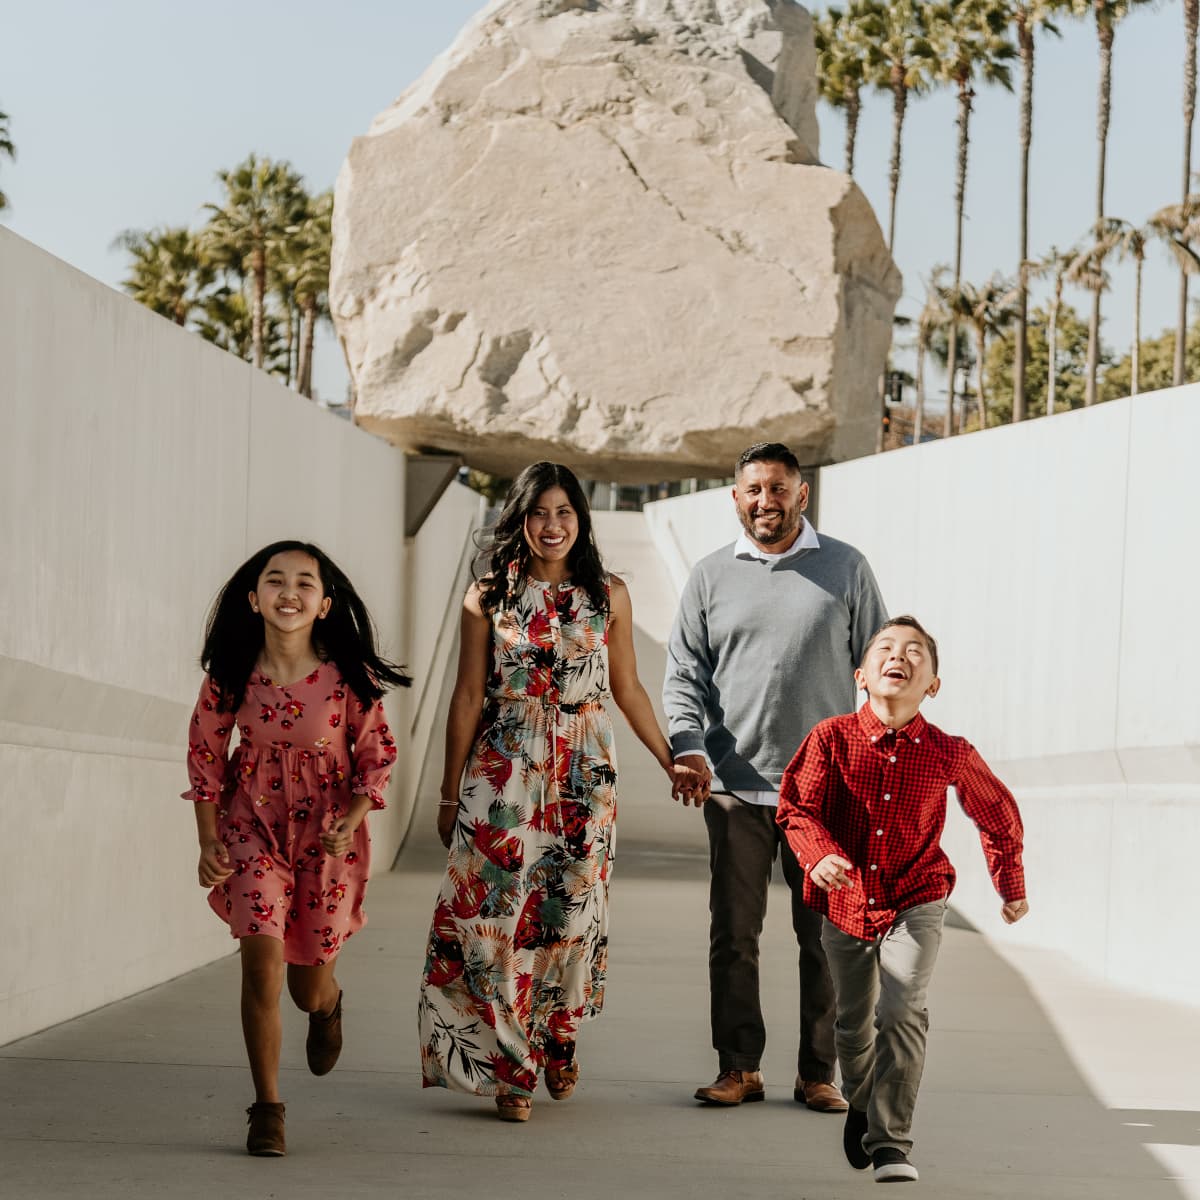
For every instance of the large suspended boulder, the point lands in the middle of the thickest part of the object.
(597, 231)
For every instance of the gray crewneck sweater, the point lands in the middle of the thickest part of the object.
(762, 651)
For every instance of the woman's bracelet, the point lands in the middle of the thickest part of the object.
(448, 803)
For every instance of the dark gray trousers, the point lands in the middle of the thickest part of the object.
(743, 840)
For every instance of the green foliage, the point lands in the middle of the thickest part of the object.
(493, 487)
(254, 276)
(1156, 367)
(6, 147)
(1072, 338)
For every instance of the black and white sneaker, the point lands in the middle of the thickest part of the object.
(852, 1136)
(892, 1166)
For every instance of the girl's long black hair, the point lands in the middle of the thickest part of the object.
(233, 637)
(507, 550)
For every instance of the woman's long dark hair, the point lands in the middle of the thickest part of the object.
(507, 549)
(233, 637)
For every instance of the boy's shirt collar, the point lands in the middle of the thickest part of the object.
(808, 540)
(876, 730)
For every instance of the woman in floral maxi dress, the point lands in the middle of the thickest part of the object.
(518, 948)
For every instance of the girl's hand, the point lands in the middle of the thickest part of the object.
(214, 863)
(446, 819)
(339, 837)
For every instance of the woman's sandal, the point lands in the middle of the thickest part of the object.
(561, 1081)
(513, 1108)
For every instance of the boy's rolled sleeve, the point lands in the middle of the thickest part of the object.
(1001, 832)
(802, 801)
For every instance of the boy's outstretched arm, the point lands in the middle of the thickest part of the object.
(1001, 832)
(801, 817)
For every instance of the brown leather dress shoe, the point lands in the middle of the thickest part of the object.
(265, 1138)
(820, 1097)
(733, 1087)
(324, 1042)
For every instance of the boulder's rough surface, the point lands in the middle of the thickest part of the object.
(597, 231)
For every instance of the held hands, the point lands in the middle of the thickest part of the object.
(830, 873)
(214, 863)
(691, 779)
(1014, 910)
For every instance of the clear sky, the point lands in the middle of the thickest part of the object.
(122, 111)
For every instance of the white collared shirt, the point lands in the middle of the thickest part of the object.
(745, 548)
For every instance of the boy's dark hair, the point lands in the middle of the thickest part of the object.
(346, 637)
(775, 452)
(908, 623)
(507, 552)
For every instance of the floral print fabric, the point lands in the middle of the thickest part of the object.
(304, 750)
(518, 949)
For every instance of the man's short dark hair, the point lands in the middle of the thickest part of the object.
(908, 623)
(775, 452)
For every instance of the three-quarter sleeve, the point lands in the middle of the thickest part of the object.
(374, 750)
(208, 746)
(991, 806)
(801, 812)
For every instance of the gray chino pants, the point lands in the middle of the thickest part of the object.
(882, 1020)
(743, 840)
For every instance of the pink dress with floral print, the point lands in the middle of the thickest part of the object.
(304, 750)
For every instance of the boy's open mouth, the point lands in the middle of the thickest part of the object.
(894, 673)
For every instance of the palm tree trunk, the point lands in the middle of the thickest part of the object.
(1105, 33)
(899, 102)
(308, 327)
(919, 415)
(1137, 328)
(853, 109)
(965, 95)
(258, 304)
(1025, 40)
(291, 340)
(981, 347)
(1191, 21)
(1052, 338)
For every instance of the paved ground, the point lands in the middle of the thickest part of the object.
(1040, 1083)
(145, 1098)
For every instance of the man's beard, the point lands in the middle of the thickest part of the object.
(789, 523)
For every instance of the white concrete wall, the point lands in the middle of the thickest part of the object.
(1054, 561)
(138, 467)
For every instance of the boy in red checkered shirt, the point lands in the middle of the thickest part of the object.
(863, 804)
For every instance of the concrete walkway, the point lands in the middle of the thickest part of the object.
(1052, 1088)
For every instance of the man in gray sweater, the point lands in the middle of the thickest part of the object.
(764, 646)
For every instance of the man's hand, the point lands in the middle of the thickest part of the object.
(830, 873)
(214, 866)
(1014, 910)
(446, 819)
(691, 779)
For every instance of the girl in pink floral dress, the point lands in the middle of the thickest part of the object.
(292, 667)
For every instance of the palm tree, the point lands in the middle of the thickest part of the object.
(1108, 15)
(934, 316)
(1053, 265)
(262, 199)
(846, 50)
(314, 240)
(6, 147)
(168, 273)
(1129, 241)
(903, 67)
(988, 309)
(1191, 24)
(226, 319)
(1026, 17)
(969, 39)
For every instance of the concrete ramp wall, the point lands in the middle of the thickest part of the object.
(138, 467)
(1055, 562)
